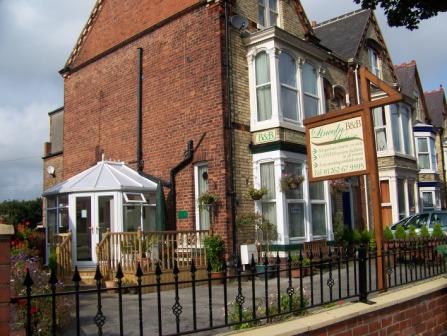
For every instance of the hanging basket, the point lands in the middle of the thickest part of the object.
(257, 194)
(290, 182)
(339, 185)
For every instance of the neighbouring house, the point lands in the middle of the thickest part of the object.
(433, 187)
(356, 36)
(208, 98)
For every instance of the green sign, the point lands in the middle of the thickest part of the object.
(266, 136)
(182, 214)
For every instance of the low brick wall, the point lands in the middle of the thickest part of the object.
(426, 315)
(6, 231)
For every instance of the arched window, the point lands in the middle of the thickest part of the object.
(289, 88)
(310, 90)
(263, 87)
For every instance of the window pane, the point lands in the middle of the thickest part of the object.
(406, 130)
(262, 68)
(427, 200)
(105, 214)
(424, 161)
(309, 79)
(310, 106)
(289, 103)
(381, 140)
(273, 4)
(264, 99)
(268, 179)
(131, 218)
(269, 212)
(401, 198)
(261, 13)
(273, 19)
(316, 191)
(51, 202)
(204, 214)
(63, 220)
(296, 220)
(433, 154)
(63, 200)
(318, 219)
(51, 226)
(422, 145)
(149, 218)
(287, 70)
(291, 168)
(395, 127)
(379, 117)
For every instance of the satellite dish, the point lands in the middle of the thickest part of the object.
(239, 22)
(51, 170)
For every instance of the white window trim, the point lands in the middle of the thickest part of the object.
(401, 131)
(434, 191)
(279, 158)
(196, 191)
(273, 48)
(267, 11)
(376, 69)
(429, 137)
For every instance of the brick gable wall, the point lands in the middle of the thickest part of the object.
(182, 99)
(118, 20)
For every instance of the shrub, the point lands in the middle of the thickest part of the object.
(339, 228)
(365, 237)
(388, 234)
(214, 249)
(412, 232)
(356, 236)
(437, 231)
(400, 232)
(424, 233)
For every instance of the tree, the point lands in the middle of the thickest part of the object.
(408, 13)
(15, 212)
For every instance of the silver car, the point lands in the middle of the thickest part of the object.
(428, 219)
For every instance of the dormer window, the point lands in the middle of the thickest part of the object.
(268, 13)
(375, 62)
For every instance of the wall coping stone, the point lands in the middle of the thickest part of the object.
(348, 311)
(6, 230)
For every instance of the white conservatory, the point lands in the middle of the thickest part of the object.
(109, 196)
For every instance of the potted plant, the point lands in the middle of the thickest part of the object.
(296, 271)
(214, 249)
(257, 194)
(290, 181)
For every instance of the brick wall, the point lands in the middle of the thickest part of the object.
(426, 315)
(117, 20)
(182, 100)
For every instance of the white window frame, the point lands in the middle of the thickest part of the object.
(383, 127)
(273, 49)
(434, 192)
(375, 62)
(140, 201)
(280, 158)
(196, 192)
(295, 89)
(398, 110)
(431, 156)
(311, 95)
(265, 6)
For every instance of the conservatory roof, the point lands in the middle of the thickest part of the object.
(104, 176)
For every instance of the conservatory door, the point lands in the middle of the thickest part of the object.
(84, 231)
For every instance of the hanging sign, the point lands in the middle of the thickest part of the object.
(337, 146)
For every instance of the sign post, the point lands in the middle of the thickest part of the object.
(342, 144)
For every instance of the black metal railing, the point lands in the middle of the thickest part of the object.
(243, 296)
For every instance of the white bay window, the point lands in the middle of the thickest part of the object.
(263, 87)
(301, 212)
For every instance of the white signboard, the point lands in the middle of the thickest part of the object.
(337, 148)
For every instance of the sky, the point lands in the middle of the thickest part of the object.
(37, 36)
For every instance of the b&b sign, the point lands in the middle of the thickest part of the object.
(336, 146)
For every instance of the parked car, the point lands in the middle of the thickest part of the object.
(428, 219)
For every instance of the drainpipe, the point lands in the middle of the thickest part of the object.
(189, 154)
(232, 193)
(140, 162)
(365, 180)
